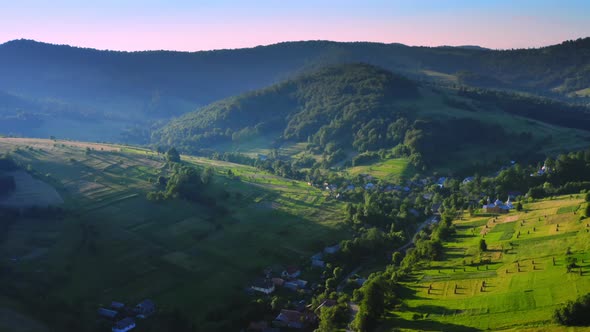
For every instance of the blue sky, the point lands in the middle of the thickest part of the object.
(199, 25)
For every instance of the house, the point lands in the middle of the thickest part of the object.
(264, 286)
(441, 181)
(498, 207)
(291, 272)
(300, 283)
(332, 249)
(124, 325)
(292, 319)
(117, 305)
(262, 157)
(468, 179)
(292, 285)
(145, 308)
(369, 186)
(318, 263)
(317, 256)
(277, 281)
(436, 207)
(106, 313)
(350, 187)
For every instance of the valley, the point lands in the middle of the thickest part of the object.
(113, 244)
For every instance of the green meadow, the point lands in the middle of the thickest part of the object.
(114, 244)
(387, 170)
(515, 285)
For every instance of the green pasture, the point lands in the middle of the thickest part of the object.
(516, 284)
(387, 170)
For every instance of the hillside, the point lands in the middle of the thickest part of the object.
(344, 110)
(108, 242)
(515, 284)
(127, 90)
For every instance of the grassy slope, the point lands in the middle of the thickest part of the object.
(511, 299)
(388, 170)
(170, 251)
(432, 105)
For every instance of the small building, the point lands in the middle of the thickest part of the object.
(498, 207)
(262, 157)
(369, 186)
(291, 272)
(300, 283)
(264, 286)
(117, 305)
(124, 325)
(317, 256)
(294, 319)
(332, 249)
(468, 179)
(145, 308)
(277, 281)
(106, 313)
(318, 263)
(292, 285)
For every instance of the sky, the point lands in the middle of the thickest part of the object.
(195, 25)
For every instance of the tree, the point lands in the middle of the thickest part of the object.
(587, 197)
(587, 211)
(331, 283)
(172, 155)
(519, 206)
(337, 272)
(207, 175)
(483, 246)
(396, 258)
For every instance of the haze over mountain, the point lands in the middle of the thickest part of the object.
(107, 91)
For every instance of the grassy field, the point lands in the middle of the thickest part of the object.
(116, 245)
(521, 285)
(388, 170)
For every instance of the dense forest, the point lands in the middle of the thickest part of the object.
(362, 108)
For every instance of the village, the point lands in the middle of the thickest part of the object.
(124, 317)
(288, 282)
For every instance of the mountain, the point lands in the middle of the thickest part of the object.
(130, 89)
(344, 110)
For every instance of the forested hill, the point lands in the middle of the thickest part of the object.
(331, 99)
(57, 71)
(358, 108)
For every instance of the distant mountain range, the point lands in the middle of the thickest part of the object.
(109, 91)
